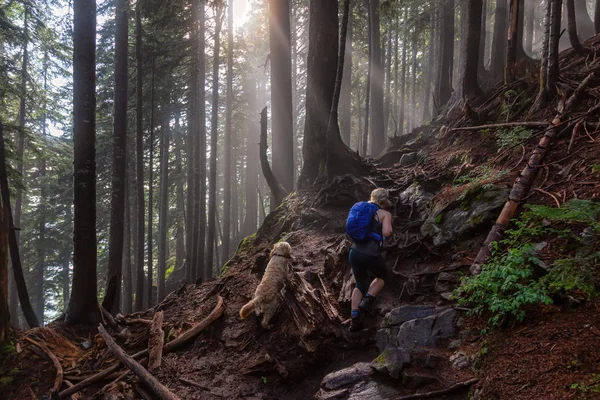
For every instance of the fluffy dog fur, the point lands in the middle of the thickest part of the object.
(265, 298)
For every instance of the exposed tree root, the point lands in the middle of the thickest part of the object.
(59, 371)
(427, 395)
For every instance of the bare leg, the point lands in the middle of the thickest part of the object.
(374, 289)
(356, 298)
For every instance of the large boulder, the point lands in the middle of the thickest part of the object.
(391, 362)
(475, 210)
(416, 196)
(373, 391)
(347, 376)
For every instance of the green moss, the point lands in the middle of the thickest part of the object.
(439, 219)
(247, 242)
(169, 271)
(6, 381)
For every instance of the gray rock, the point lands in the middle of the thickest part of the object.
(455, 344)
(408, 159)
(444, 326)
(416, 194)
(373, 391)
(446, 296)
(391, 362)
(414, 379)
(460, 360)
(356, 373)
(405, 313)
(415, 333)
(477, 209)
(433, 361)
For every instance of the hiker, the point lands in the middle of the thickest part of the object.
(368, 225)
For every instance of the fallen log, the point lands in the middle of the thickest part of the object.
(532, 124)
(156, 342)
(169, 347)
(151, 382)
(524, 182)
(59, 371)
(427, 395)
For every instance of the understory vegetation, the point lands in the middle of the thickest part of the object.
(548, 256)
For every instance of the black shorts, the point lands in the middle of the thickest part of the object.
(362, 264)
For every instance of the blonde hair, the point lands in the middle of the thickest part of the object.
(380, 196)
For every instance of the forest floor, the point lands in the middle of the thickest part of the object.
(553, 354)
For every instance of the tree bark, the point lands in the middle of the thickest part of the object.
(346, 95)
(192, 138)
(117, 207)
(412, 114)
(444, 91)
(252, 160)
(572, 27)
(377, 117)
(499, 41)
(585, 25)
(164, 193)
(281, 92)
(429, 74)
(4, 311)
(150, 276)
(212, 194)
(278, 192)
(139, 146)
(471, 89)
(388, 83)
(156, 342)
(127, 278)
(597, 17)
(529, 26)
(83, 304)
(365, 133)
(227, 178)
(180, 200)
(553, 65)
(511, 49)
(542, 96)
(395, 113)
(200, 151)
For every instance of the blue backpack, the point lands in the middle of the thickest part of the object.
(358, 224)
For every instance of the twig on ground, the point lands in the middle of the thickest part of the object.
(549, 194)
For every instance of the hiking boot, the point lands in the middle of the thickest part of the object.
(366, 303)
(356, 324)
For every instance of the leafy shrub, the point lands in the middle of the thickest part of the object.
(512, 137)
(509, 281)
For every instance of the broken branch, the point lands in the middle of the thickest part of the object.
(151, 382)
(532, 124)
(169, 347)
(156, 342)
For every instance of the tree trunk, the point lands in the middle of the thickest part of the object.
(83, 304)
(251, 181)
(139, 147)
(41, 247)
(200, 151)
(597, 17)
(180, 200)
(164, 193)
(127, 283)
(365, 133)
(281, 92)
(4, 312)
(481, 71)
(395, 113)
(413, 73)
(553, 65)
(585, 25)
(572, 27)
(117, 207)
(277, 191)
(388, 84)
(149, 296)
(529, 26)
(470, 86)
(227, 178)
(429, 74)
(346, 95)
(444, 90)
(542, 96)
(377, 132)
(511, 50)
(192, 137)
(499, 41)
(212, 194)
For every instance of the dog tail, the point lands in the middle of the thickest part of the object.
(247, 309)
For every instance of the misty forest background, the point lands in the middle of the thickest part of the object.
(179, 88)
